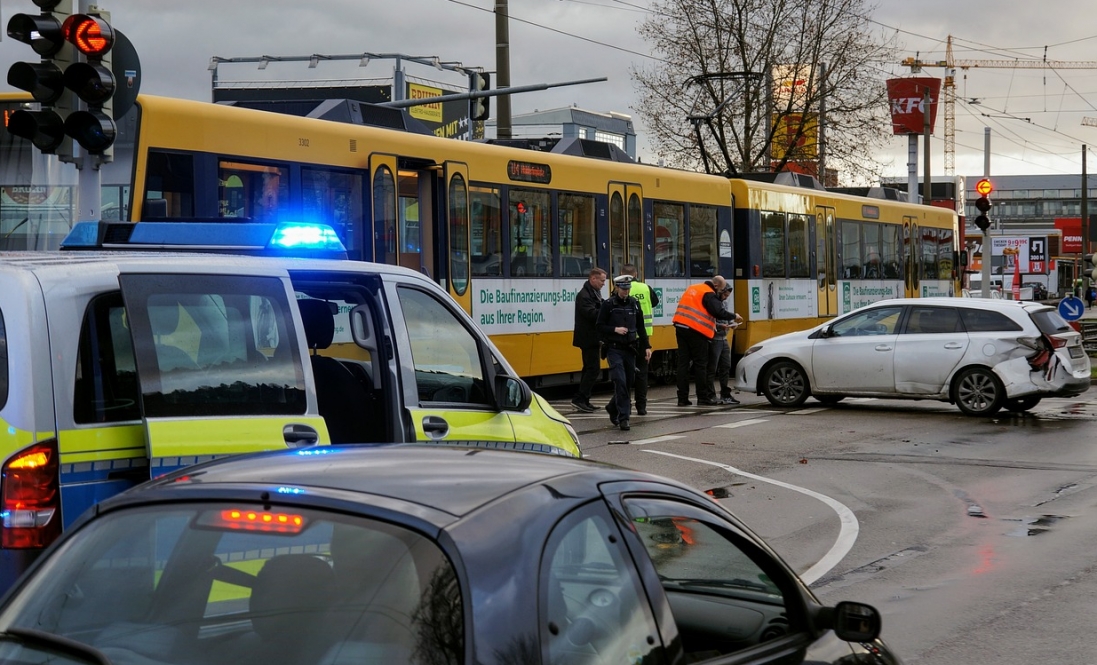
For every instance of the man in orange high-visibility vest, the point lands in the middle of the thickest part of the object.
(694, 327)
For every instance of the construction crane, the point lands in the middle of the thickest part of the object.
(951, 65)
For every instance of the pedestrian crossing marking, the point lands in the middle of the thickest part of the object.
(742, 423)
(658, 439)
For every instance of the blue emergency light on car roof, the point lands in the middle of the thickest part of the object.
(302, 239)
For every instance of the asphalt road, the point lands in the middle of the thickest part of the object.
(977, 538)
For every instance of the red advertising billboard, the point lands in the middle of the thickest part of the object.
(1071, 228)
(907, 105)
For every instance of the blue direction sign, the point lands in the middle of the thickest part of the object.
(1071, 308)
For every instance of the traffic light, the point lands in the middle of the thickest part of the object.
(44, 80)
(479, 107)
(75, 51)
(92, 81)
(983, 204)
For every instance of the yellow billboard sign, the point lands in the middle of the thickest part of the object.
(789, 139)
(429, 112)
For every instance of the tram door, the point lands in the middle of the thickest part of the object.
(626, 228)
(825, 257)
(403, 212)
(457, 260)
(912, 256)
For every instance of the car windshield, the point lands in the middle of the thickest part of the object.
(230, 583)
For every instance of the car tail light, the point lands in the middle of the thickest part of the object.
(1056, 342)
(252, 519)
(30, 491)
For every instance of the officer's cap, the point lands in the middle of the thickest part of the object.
(623, 281)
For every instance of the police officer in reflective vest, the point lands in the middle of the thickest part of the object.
(648, 299)
(621, 325)
(694, 327)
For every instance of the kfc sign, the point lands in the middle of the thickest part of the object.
(908, 110)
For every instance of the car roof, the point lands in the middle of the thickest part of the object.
(452, 479)
(981, 303)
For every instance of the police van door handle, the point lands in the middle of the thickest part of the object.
(435, 427)
(297, 435)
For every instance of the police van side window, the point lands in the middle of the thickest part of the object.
(446, 355)
(3, 363)
(214, 345)
(106, 376)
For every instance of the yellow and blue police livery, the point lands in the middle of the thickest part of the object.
(118, 366)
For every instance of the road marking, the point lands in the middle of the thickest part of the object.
(658, 439)
(807, 412)
(742, 423)
(863, 399)
(847, 534)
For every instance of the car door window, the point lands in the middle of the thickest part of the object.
(213, 345)
(445, 353)
(875, 321)
(593, 608)
(932, 320)
(725, 594)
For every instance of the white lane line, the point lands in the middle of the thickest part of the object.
(847, 534)
(742, 423)
(807, 412)
(657, 439)
(863, 399)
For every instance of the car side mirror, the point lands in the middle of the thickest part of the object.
(851, 621)
(826, 331)
(512, 394)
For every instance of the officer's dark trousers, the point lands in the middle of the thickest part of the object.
(640, 383)
(622, 369)
(592, 367)
(693, 350)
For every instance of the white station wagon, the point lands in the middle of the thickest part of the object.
(980, 354)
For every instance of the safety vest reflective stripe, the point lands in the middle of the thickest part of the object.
(642, 293)
(692, 314)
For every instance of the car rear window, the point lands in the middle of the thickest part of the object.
(227, 583)
(1049, 322)
(984, 320)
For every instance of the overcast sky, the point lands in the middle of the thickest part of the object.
(1035, 114)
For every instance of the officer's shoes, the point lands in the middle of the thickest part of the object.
(684, 402)
(624, 425)
(730, 401)
(583, 405)
(641, 411)
(710, 402)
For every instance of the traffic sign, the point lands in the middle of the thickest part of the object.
(1071, 308)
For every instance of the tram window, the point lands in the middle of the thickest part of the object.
(670, 239)
(486, 232)
(530, 233)
(635, 233)
(799, 247)
(577, 248)
(773, 244)
(873, 268)
(929, 254)
(408, 214)
(851, 250)
(170, 177)
(335, 198)
(702, 241)
(458, 235)
(944, 254)
(114, 198)
(384, 213)
(252, 191)
(890, 253)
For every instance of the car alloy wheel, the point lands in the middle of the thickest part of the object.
(785, 384)
(978, 392)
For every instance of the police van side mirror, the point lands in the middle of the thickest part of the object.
(512, 394)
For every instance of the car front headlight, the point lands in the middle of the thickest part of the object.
(574, 437)
(756, 347)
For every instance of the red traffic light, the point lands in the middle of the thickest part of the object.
(984, 187)
(91, 35)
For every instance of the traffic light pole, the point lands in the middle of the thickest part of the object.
(89, 190)
(988, 251)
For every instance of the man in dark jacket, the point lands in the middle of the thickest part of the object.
(621, 324)
(585, 336)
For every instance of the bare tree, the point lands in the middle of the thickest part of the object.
(721, 63)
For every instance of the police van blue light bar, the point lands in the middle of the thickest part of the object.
(301, 239)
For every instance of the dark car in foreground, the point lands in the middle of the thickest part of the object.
(420, 554)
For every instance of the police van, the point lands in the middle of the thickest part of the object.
(118, 366)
